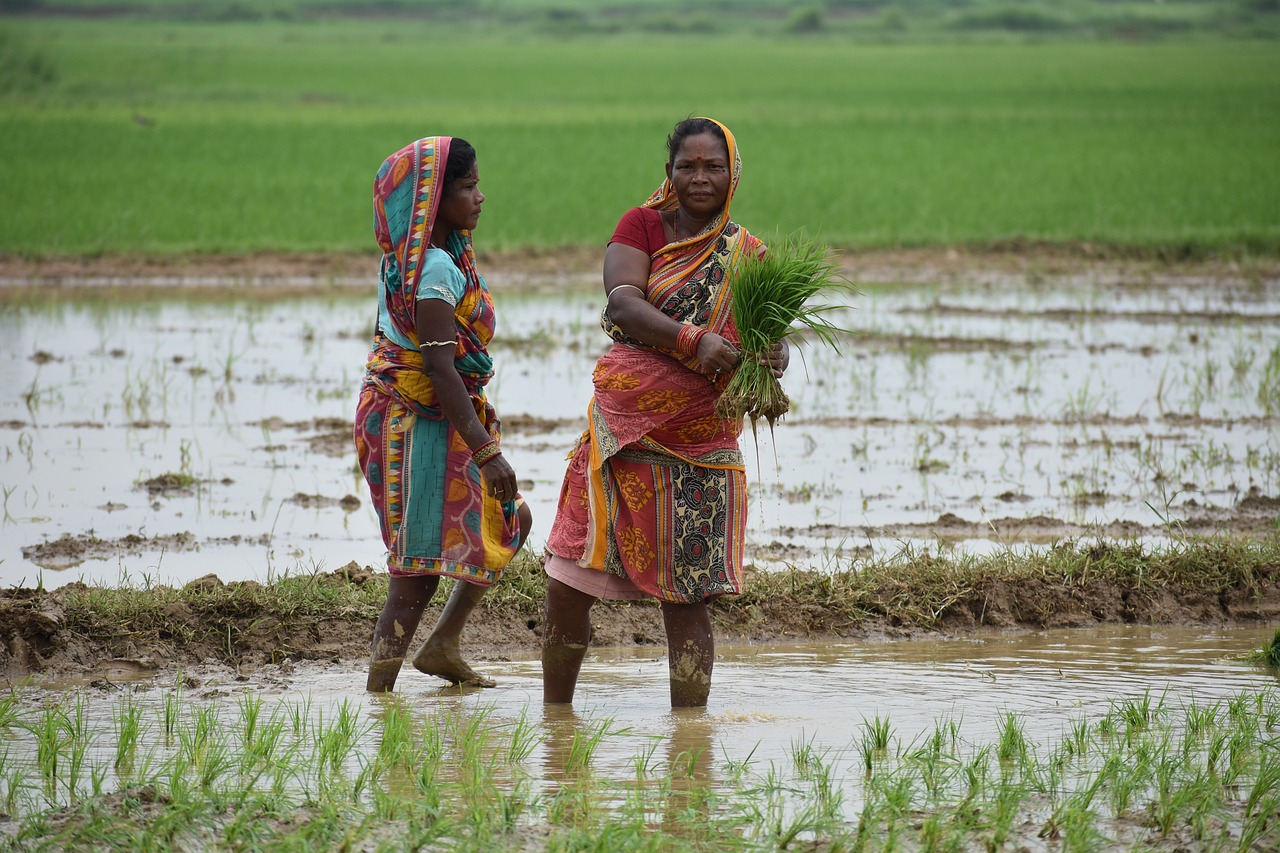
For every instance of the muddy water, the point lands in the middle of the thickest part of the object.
(166, 437)
(767, 700)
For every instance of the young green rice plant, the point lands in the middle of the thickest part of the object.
(772, 297)
(396, 743)
(586, 740)
(52, 736)
(336, 741)
(1269, 383)
(1199, 721)
(1011, 744)
(128, 729)
(80, 737)
(524, 740)
(1268, 654)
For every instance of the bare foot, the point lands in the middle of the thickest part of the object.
(442, 659)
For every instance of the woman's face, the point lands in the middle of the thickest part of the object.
(700, 174)
(460, 205)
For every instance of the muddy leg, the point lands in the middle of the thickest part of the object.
(565, 639)
(406, 598)
(440, 654)
(691, 652)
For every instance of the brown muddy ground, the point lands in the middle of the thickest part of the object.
(49, 632)
(207, 622)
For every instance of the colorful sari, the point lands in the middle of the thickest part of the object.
(656, 487)
(434, 512)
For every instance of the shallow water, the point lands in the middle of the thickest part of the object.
(767, 701)
(978, 414)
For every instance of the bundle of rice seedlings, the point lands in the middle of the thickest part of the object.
(773, 297)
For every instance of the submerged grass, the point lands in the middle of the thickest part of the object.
(292, 776)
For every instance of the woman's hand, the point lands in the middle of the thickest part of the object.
(499, 478)
(717, 355)
(777, 359)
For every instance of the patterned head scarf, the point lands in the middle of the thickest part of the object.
(664, 198)
(406, 196)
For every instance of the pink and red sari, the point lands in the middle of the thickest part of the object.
(435, 515)
(656, 488)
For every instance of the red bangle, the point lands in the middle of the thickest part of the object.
(486, 452)
(687, 339)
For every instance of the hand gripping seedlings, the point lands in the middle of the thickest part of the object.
(774, 297)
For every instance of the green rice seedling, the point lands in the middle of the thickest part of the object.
(772, 297)
(1008, 800)
(396, 746)
(524, 740)
(586, 740)
(52, 737)
(80, 737)
(170, 711)
(15, 786)
(335, 742)
(643, 761)
(877, 733)
(1268, 654)
(1138, 714)
(128, 728)
(1078, 829)
(1012, 744)
(8, 710)
(1198, 721)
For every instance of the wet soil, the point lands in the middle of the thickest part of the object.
(52, 632)
(45, 631)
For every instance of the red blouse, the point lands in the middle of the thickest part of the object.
(641, 228)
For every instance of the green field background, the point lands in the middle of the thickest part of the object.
(146, 136)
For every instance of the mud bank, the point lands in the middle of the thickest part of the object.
(329, 617)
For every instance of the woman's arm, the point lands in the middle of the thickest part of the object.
(436, 323)
(627, 265)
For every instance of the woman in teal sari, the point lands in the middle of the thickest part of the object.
(427, 438)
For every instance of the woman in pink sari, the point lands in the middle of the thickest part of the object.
(426, 436)
(654, 504)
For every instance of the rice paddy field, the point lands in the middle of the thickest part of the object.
(169, 136)
(1060, 370)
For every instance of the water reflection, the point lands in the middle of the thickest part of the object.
(981, 414)
(798, 711)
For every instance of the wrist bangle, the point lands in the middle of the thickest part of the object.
(687, 339)
(486, 452)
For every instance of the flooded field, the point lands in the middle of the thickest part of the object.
(788, 726)
(184, 428)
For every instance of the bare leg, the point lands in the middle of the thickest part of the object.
(565, 640)
(691, 652)
(406, 598)
(440, 654)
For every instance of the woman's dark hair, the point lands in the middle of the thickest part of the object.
(692, 127)
(461, 158)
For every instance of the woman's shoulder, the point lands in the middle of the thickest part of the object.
(643, 214)
(440, 273)
(640, 227)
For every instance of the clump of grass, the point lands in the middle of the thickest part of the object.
(1268, 655)
(772, 297)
